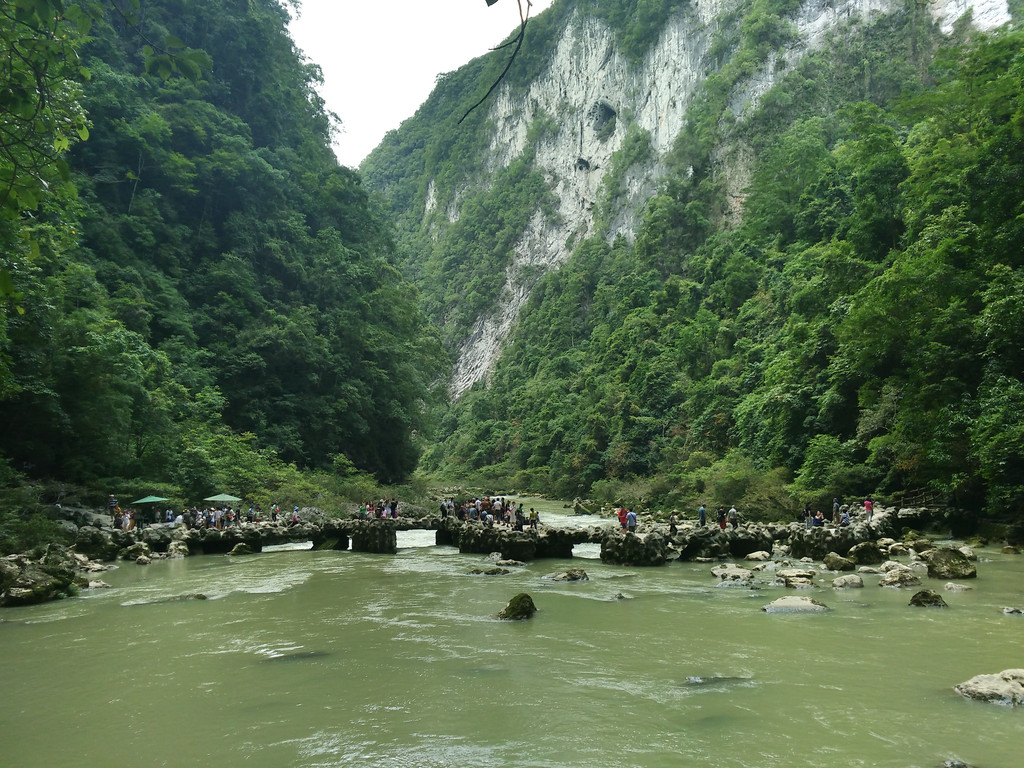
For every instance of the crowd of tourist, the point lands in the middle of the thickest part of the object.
(200, 517)
(489, 510)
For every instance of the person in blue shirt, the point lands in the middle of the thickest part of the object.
(631, 521)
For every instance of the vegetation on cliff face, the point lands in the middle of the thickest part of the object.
(206, 300)
(859, 332)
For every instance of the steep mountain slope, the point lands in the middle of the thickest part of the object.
(597, 123)
(220, 299)
(743, 250)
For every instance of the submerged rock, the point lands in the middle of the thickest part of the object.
(1005, 688)
(795, 604)
(731, 572)
(490, 571)
(949, 586)
(519, 607)
(573, 574)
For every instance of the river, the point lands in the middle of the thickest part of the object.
(301, 658)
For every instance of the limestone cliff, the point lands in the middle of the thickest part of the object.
(596, 95)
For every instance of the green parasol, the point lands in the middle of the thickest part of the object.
(222, 497)
(150, 500)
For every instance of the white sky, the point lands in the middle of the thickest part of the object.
(380, 57)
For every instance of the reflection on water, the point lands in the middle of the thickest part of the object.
(301, 658)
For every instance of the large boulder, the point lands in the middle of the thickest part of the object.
(157, 537)
(949, 564)
(796, 578)
(517, 545)
(748, 539)
(866, 553)
(519, 607)
(135, 551)
(28, 581)
(629, 549)
(551, 542)
(836, 562)
(703, 543)
(1006, 688)
(898, 575)
(818, 542)
(96, 543)
(375, 536)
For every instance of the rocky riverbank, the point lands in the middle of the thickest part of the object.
(58, 571)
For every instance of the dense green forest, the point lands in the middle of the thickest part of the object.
(861, 330)
(196, 297)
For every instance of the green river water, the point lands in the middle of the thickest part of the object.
(303, 658)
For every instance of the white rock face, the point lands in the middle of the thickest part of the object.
(589, 83)
(1006, 688)
(795, 604)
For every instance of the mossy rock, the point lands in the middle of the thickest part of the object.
(926, 598)
(519, 607)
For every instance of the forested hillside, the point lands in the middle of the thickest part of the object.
(196, 297)
(853, 324)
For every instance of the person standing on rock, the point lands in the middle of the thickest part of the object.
(734, 517)
(721, 517)
(622, 517)
(835, 511)
(534, 518)
(631, 521)
(805, 515)
(869, 508)
(702, 515)
(672, 524)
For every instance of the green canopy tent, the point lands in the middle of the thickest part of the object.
(150, 500)
(222, 497)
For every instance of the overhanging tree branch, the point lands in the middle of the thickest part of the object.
(517, 41)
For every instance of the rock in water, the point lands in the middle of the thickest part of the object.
(836, 562)
(795, 604)
(519, 607)
(949, 564)
(849, 581)
(926, 598)
(1006, 688)
(573, 574)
